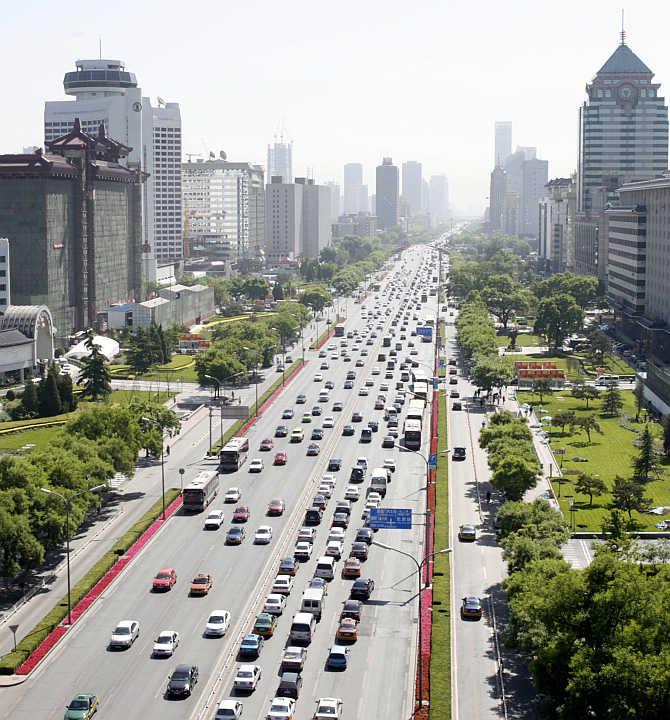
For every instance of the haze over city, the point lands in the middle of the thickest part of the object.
(350, 83)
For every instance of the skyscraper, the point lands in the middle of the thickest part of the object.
(503, 142)
(106, 93)
(280, 159)
(353, 182)
(411, 185)
(438, 200)
(386, 195)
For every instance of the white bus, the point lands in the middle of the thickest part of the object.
(200, 492)
(412, 434)
(234, 454)
(415, 409)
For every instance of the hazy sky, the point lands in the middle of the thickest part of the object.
(350, 80)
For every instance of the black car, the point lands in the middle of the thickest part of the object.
(316, 410)
(289, 685)
(313, 516)
(388, 441)
(357, 475)
(340, 519)
(183, 679)
(348, 384)
(338, 406)
(364, 535)
(459, 453)
(362, 589)
(373, 425)
(281, 431)
(457, 406)
(334, 464)
(359, 550)
(356, 417)
(348, 430)
(317, 434)
(366, 435)
(352, 609)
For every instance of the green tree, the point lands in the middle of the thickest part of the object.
(138, 352)
(491, 371)
(615, 530)
(599, 345)
(152, 433)
(217, 363)
(638, 392)
(317, 297)
(628, 495)
(19, 548)
(514, 475)
(256, 288)
(590, 485)
(541, 386)
(66, 392)
(536, 520)
(557, 317)
(29, 400)
(506, 297)
(646, 463)
(563, 418)
(94, 376)
(520, 550)
(588, 425)
(48, 396)
(612, 401)
(278, 291)
(581, 391)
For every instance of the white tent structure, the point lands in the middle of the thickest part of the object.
(109, 348)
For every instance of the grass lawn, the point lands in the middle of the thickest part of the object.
(180, 367)
(608, 455)
(522, 341)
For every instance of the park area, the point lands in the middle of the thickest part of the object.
(607, 455)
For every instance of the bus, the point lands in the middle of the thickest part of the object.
(339, 330)
(420, 389)
(233, 454)
(415, 409)
(201, 491)
(412, 434)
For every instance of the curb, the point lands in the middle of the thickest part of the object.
(53, 638)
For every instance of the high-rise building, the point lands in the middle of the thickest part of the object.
(335, 200)
(386, 194)
(438, 199)
(280, 159)
(525, 178)
(411, 185)
(104, 92)
(534, 178)
(363, 199)
(224, 208)
(316, 217)
(557, 211)
(497, 192)
(503, 142)
(353, 182)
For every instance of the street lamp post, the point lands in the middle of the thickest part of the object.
(67, 501)
(419, 569)
(157, 424)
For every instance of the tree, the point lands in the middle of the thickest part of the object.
(520, 550)
(612, 401)
(599, 344)
(536, 520)
(138, 353)
(66, 392)
(19, 548)
(317, 297)
(666, 436)
(638, 392)
(581, 391)
(514, 475)
(557, 317)
(615, 531)
(541, 386)
(587, 424)
(94, 375)
(590, 485)
(628, 495)
(219, 364)
(256, 288)
(647, 461)
(48, 396)
(563, 418)
(492, 371)
(506, 297)
(29, 400)
(277, 291)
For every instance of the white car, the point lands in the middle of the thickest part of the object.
(325, 489)
(283, 584)
(384, 387)
(217, 623)
(336, 533)
(325, 365)
(328, 709)
(306, 534)
(256, 465)
(166, 643)
(328, 422)
(334, 549)
(125, 634)
(302, 551)
(352, 493)
(362, 462)
(263, 535)
(318, 377)
(389, 464)
(229, 710)
(281, 709)
(214, 520)
(232, 495)
(374, 497)
(363, 392)
(364, 352)
(375, 370)
(247, 677)
(274, 604)
(369, 382)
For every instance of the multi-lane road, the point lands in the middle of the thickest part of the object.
(380, 678)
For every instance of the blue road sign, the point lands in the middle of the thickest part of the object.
(436, 383)
(424, 330)
(432, 461)
(443, 362)
(390, 519)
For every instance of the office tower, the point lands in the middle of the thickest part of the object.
(280, 159)
(535, 174)
(525, 178)
(425, 196)
(104, 92)
(438, 200)
(73, 217)
(353, 182)
(497, 192)
(386, 195)
(335, 200)
(557, 211)
(411, 185)
(363, 199)
(224, 208)
(503, 142)
(316, 217)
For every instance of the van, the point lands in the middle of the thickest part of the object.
(324, 395)
(312, 602)
(381, 357)
(325, 567)
(302, 627)
(379, 480)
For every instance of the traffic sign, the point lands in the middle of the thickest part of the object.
(436, 383)
(432, 461)
(424, 330)
(443, 362)
(390, 519)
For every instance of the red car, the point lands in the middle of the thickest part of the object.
(267, 444)
(276, 507)
(281, 458)
(241, 514)
(165, 579)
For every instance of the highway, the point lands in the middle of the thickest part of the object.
(380, 677)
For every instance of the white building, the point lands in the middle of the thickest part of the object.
(104, 92)
(353, 184)
(438, 199)
(280, 159)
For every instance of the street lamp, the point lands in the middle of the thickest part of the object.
(67, 501)
(220, 384)
(419, 568)
(157, 424)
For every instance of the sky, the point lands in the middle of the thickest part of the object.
(351, 81)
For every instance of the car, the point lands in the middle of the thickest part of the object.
(264, 625)
(334, 549)
(182, 681)
(320, 501)
(356, 417)
(329, 384)
(459, 453)
(201, 584)
(229, 710)
(334, 464)
(352, 568)
(375, 370)
(413, 351)
(276, 506)
(365, 535)
(274, 604)
(348, 384)
(281, 458)
(467, 533)
(373, 497)
(313, 516)
(471, 607)
(347, 631)
(357, 474)
(164, 580)
(266, 444)
(388, 441)
(302, 551)
(318, 583)
(313, 449)
(366, 435)
(323, 353)
(369, 382)
(454, 394)
(233, 495)
(362, 589)
(287, 414)
(281, 431)
(338, 657)
(165, 643)
(241, 514)
(82, 707)
(380, 402)
(325, 489)
(247, 678)
(348, 430)
(301, 399)
(383, 387)
(214, 520)
(363, 392)
(457, 406)
(340, 519)
(297, 435)
(359, 363)
(293, 659)
(324, 365)
(338, 406)
(306, 418)
(318, 377)
(217, 623)
(328, 709)
(125, 634)
(389, 464)
(283, 584)
(287, 566)
(317, 434)
(281, 709)
(306, 534)
(359, 550)
(256, 465)
(373, 425)
(329, 422)
(336, 533)
(352, 493)
(235, 535)
(453, 381)
(352, 609)
(263, 535)
(251, 645)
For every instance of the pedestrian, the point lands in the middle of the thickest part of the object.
(488, 497)
(167, 450)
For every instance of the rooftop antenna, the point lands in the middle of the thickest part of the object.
(623, 31)
(100, 46)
